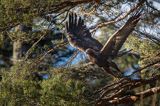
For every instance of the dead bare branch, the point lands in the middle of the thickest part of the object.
(133, 98)
(114, 93)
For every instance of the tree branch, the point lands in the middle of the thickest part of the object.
(117, 90)
(136, 97)
(119, 18)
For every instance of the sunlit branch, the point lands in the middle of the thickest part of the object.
(111, 94)
(136, 97)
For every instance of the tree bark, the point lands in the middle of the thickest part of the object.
(17, 51)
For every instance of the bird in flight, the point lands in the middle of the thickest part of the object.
(80, 37)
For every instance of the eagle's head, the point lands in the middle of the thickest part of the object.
(91, 52)
(96, 58)
(92, 55)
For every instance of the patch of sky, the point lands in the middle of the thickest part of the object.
(155, 3)
(125, 7)
(98, 33)
(1, 62)
(150, 30)
(132, 73)
(93, 22)
(45, 76)
(79, 57)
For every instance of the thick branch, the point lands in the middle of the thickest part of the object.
(118, 98)
(116, 90)
(136, 97)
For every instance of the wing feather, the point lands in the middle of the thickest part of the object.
(115, 42)
(79, 36)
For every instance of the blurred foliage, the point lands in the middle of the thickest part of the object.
(20, 87)
(23, 11)
(17, 89)
(61, 92)
(148, 51)
(145, 47)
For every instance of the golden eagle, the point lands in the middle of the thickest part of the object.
(80, 37)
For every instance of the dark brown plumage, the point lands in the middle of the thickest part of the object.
(116, 41)
(80, 37)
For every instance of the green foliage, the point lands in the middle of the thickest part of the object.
(148, 52)
(62, 92)
(145, 47)
(1, 40)
(18, 88)
(23, 11)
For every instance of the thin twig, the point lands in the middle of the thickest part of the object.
(71, 59)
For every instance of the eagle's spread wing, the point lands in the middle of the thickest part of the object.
(79, 36)
(115, 42)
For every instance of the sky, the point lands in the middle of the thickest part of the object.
(156, 3)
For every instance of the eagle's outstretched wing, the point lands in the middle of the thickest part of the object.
(79, 36)
(115, 42)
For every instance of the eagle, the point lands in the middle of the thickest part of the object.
(80, 37)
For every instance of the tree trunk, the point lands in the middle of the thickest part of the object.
(17, 51)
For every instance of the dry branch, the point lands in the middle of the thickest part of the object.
(119, 18)
(134, 98)
(119, 97)
(115, 93)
